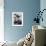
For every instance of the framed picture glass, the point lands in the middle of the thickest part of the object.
(17, 18)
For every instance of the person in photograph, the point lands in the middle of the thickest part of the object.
(17, 19)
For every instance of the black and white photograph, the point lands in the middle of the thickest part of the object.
(17, 18)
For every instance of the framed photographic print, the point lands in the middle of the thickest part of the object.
(17, 18)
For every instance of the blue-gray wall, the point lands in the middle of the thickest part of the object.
(28, 7)
(43, 6)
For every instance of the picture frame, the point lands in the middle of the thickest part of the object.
(17, 18)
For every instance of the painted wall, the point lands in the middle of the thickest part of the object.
(28, 7)
(43, 6)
